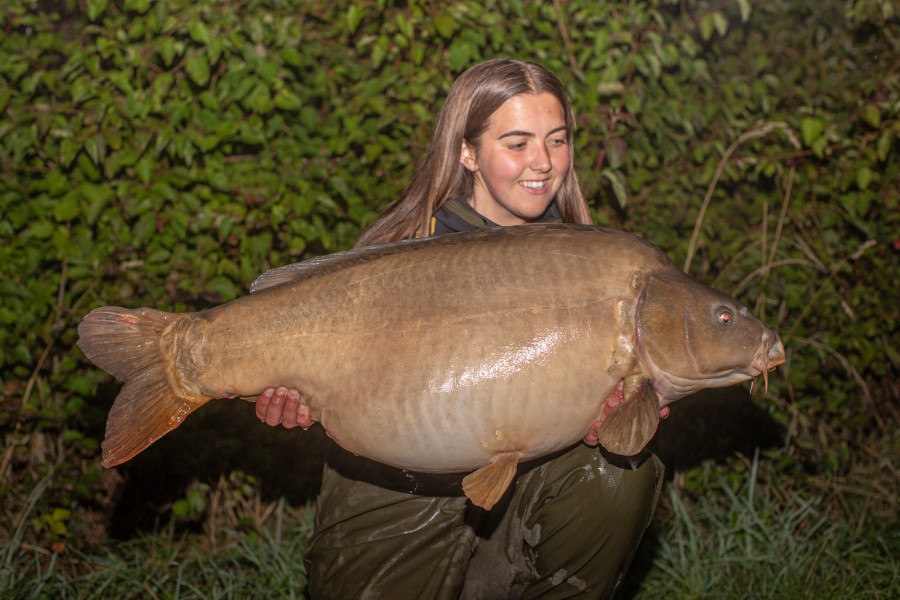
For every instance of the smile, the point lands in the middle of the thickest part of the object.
(534, 185)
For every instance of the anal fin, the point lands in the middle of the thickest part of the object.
(486, 486)
(632, 424)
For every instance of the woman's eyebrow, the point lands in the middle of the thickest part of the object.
(518, 132)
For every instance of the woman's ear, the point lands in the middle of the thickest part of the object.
(467, 157)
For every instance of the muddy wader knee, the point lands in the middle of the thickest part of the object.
(571, 529)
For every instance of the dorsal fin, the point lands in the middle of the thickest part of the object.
(328, 263)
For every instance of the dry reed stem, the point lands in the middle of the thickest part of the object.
(567, 44)
(758, 130)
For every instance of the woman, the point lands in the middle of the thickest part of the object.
(501, 155)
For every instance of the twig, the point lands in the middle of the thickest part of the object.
(567, 44)
(7, 457)
(764, 270)
(56, 320)
(759, 130)
(789, 186)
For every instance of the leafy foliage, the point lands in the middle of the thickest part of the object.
(166, 153)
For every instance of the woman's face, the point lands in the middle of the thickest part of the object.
(522, 162)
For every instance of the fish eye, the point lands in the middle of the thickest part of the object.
(725, 317)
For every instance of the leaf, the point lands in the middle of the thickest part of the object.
(198, 31)
(871, 115)
(460, 54)
(445, 25)
(354, 16)
(811, 130)
(883, 145)
(165, 47)
(720, 23)
(67, 150)
(616, 180)
(214, 49)
(260, 99)
(379, 51)
(616, 148)
(97, 197)
(139, 6)
(706, 27)
(864, 177)
(198, 68)
(96, 148)
(223, 286)
(610, 88)
(404, 25)
(66, 208)
(287, 100)
(744, 6)
(95, 8)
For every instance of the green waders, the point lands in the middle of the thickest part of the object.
(568, 529)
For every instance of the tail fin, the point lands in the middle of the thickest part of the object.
(128, 344)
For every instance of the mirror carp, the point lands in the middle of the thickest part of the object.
(469, 352)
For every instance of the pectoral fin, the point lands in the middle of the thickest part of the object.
(486, 486)
(628, 429)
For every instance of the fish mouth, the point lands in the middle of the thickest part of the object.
(769, 357)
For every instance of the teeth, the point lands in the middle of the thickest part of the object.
(535, 185)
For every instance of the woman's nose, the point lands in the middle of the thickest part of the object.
(540, 160)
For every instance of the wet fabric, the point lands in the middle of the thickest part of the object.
(568, 527)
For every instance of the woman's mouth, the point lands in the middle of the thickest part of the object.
(538, 186)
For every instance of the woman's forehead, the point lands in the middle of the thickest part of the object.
(528, 111)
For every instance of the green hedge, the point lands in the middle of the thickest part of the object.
(166, 153)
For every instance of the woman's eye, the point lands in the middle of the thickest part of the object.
(518, 146)
(556, 142)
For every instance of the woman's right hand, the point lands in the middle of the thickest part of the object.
(283, 406)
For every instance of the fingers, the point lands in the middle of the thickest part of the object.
(291, 404)
(270, 407)
(613, 399)
(282, 406)
(593, 438)
(262, 403)
(275, 411)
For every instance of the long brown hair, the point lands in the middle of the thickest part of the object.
(466, 114)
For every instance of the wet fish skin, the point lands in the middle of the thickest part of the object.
(460, 353)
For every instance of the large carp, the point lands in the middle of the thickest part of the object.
(468, 352)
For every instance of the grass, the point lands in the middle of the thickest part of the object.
(255, 550)
(749, 537)
(761, 541)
